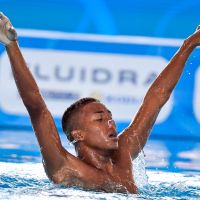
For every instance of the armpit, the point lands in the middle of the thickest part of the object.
(63, 176)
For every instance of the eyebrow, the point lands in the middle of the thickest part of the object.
(101, 111)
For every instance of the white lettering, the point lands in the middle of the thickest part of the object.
(121, 80)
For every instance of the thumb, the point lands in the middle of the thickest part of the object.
(12, 34)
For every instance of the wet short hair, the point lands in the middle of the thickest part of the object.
(68, 124)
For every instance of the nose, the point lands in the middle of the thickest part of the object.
(111, 123)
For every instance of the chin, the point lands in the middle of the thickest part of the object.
(114, 147)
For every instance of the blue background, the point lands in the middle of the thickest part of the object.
(164, 19)
(158, 18)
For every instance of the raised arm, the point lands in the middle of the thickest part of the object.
(135, 136)
(50, 145)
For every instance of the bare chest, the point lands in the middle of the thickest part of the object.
(123, 178)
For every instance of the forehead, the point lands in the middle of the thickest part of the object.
(94, 107)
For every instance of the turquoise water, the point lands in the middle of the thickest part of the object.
(168, 174)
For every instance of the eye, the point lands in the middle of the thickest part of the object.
(99, 119)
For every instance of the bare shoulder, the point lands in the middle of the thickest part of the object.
(75, 172)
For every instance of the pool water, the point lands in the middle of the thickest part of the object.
(172, 171)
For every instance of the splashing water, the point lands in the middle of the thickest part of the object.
(28, 181)
(22, 175)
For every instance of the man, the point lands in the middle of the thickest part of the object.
(104, 160)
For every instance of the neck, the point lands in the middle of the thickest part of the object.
(100, 159)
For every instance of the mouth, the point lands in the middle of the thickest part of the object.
(113, 136)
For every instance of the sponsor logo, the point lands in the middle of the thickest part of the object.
(119, 80)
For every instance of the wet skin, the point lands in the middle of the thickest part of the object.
(104, 161)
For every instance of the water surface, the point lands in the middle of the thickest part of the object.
(166, 170)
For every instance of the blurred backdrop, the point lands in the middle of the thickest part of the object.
(109, 49)
(158, 18)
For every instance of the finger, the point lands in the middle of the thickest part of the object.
(2, 16)
(12, 34)
(198, 28)
(8, 25)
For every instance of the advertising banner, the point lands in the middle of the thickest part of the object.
(116, 70)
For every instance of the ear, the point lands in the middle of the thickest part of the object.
(78, 135)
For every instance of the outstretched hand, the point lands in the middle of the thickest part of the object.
(7, 31)
(194, 39)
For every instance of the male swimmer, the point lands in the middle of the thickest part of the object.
(104, 160)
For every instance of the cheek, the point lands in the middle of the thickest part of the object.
(96, 134)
